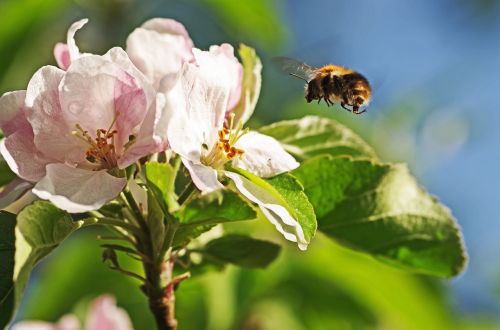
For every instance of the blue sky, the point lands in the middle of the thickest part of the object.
(445, 56)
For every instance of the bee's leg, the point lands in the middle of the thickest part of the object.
(355, 109)
(342, 104)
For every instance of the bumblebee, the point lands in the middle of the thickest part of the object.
(331, 83)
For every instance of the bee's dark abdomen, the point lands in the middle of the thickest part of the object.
(331, 85)
(353, 78)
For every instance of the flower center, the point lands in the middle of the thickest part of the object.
(224, 149)
(101, 149)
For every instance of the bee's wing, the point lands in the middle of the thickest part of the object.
(295, 68)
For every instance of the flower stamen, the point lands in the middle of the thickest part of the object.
(101, 149)
(224, 149)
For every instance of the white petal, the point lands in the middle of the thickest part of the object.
(159, 48)
(277, 214)
(219, 69)
(67, 322)
(264, 156)
(194, 105)
(34, 325)
(76, 190)
(74, 52)
(204, 177)
(232, 68)
(200, 99)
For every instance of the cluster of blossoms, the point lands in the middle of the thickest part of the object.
(75, 129)
(103, 314)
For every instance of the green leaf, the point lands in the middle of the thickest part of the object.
(311, 136)
(242, 251)
(380, 209)
(215, 208)
(288, 192)
(161, 180)
(40, 228)
(7, 252)
(252, 81)
(185, 234)
(204, 212)
(6, 174)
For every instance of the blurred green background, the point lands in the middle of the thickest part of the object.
(435, 106)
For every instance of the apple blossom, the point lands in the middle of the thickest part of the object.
(103, 315)
(199, 132)
(71, 130)
(160, 47)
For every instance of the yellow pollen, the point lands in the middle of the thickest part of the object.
(224, 149)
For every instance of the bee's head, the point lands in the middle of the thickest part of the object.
(360, 104)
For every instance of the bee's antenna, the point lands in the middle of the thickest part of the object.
(297, 76)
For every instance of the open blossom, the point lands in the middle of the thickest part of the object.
(200, 133)
(71, 129)
(161, 46)
(103, 315)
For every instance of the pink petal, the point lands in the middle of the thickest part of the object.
(61, 53)
(105, 315)
(22, 156)
(52, 134)
(77, 190)
(147, 140)
(12, 115)
(169, 26)
(118, 56)
(145, 99)
(159, 48)
(13, 191)
(204, 177)
(95, 90)
(131, 104)
(67, 53)
(264, 156)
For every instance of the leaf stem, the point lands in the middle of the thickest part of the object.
(190, 188)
